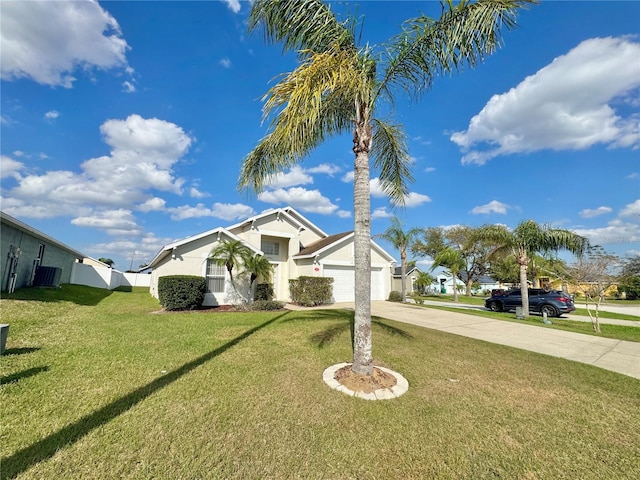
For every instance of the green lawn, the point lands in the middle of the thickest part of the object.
(102, 388)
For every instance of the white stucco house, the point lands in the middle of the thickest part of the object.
(293, 245)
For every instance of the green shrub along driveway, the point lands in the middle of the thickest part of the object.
(106, 389)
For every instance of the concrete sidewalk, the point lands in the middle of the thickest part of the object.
(615, 355)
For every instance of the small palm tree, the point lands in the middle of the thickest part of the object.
(257, 266)
(423, 281)
(229, 254)
(451, 259)
(528, 239)
(340, 88)
(401, 240)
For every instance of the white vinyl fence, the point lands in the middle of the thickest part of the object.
(108, 278)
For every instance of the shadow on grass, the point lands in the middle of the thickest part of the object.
(79, 294)
(16, 377)
(44, 449)
(20, 351)
(345, 321)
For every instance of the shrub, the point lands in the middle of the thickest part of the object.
(181, 292)
(267, 305)
(311, 291)
(395, 296)
(264, 291)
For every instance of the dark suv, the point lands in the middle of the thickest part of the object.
(553, 302)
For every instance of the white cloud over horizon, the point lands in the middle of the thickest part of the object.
(51, 55)
(224, 211)
(595, 212)
(567, 105)
(493, 206)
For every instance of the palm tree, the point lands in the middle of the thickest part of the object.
(337, 89)
(528, 239)
(401, 240)
(257, 266)
(453, 260)
(423, 281)
(229, 254)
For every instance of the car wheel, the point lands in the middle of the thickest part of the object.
(495, 306)
(549, 310)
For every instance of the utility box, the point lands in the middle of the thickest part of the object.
(4, 331)
(519, 313)
(47, 277)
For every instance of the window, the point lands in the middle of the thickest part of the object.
(215, 277)
(270, 248)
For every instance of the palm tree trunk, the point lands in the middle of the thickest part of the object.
(455, 286)
(362, 343)
(403, 274)
(524, 289)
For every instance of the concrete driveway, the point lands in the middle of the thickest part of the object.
(615, 355)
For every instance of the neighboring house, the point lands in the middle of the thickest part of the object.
(94, 263)
(411, 275)
(293, 245)
(32, 257)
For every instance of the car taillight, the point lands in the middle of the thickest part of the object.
(564, 299)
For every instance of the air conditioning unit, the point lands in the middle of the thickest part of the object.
(47, 277)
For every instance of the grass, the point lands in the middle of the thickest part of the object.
(110, 390)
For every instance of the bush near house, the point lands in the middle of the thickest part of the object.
(267, 305)
(311, 291)
(395, 296)
(264, 291)
(181, 292)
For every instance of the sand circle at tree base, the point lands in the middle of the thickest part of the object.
(385, 384)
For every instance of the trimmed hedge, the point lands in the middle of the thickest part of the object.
(395, 296)
(264, 291)
(181, 292)
(311, 291)
(267, 305)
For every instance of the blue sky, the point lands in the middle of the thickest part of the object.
(124, 125)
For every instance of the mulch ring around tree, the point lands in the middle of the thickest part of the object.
(364, 383)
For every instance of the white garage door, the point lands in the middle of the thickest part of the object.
(344, 282)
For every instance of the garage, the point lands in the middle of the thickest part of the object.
(344, 283)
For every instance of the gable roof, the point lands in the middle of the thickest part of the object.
(17, 224)
(167, 249)
(316, 248)
(287, 212)
(398, 271)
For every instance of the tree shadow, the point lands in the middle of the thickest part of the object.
(44, 449)
(78, 294)
(20, 351)
(15, 377)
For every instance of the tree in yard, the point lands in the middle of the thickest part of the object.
(630, 278)
(526, 240)
(593, 275)
(230, 254)
(401, 240)
(466, 240)
(107, 261)
(340, 87)
(452, 260)
(423, 281)
(257, 266)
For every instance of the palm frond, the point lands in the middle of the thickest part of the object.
(301, 25)
(390, 156)
(463, 36)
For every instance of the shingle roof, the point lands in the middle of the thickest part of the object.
(322, 243)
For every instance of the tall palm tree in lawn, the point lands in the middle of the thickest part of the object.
(528, 239)
(340, 87)
(230, 254)
(401, 240)
(453, 260)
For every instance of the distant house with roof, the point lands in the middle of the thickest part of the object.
(411, 276)
(293, 245)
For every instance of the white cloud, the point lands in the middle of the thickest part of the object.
(225, 211)
(134, 252)
(344, 214)
(195, 193)
(375, 187)
(631, 210)
(493, 206)
(301, 199)
(380, 212)
(430, 169)
(594, 212)
(567, 105)
(633, 176)
(234, 5)
(143, 152)
(52, 115)
(19, 153)
(347, 177)
(327, 168)
(48, 41)
(10, 167)
(128, 87)
(225, 62)
(295, 176)
(153, 204)
(414, 199)
(114, 222)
